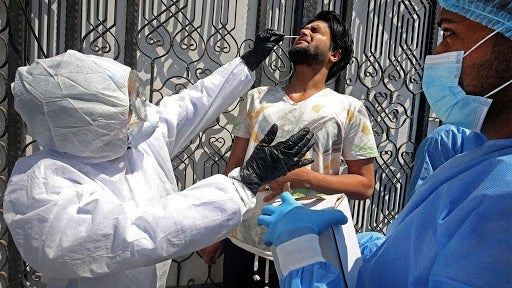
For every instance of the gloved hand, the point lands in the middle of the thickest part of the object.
(291, 220)
(267, 162)
(263, 45)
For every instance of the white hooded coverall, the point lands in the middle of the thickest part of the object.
(88, 212)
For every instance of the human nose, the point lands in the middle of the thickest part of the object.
(441, 48)
(303, 32)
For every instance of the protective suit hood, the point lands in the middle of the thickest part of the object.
(76, 104)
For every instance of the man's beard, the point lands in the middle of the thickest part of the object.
(493, 73)
(300, 55)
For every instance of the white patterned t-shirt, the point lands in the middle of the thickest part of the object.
(340, 123)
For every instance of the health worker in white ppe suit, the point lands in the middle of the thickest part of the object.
(97, 206)
(455, 230)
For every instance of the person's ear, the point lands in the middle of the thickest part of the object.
(335, 55)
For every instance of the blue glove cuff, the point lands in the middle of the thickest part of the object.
(293, 233)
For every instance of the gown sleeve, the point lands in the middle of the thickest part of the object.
(67, 226)
(319, 274)
(193, 109)
(307, 268)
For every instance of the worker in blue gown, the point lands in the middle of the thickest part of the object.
(455, 230)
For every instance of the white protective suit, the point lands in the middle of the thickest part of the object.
(88, 212)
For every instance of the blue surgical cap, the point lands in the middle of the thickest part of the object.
(495, 14)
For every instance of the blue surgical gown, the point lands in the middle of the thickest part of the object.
(455, 231)
(319, 274)
(303, 266)
(443, 144)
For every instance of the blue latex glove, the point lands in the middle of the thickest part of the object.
(291, 220)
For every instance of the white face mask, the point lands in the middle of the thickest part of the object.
(447, 99)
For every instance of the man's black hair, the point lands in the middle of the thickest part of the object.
(341, 39)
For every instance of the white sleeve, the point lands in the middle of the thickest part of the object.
(193, 109)
(70, 227)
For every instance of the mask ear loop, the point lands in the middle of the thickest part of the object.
(480, 43)
(497, 89)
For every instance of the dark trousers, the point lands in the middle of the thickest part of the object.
(239, 269)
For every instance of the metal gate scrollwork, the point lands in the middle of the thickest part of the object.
(386, 75)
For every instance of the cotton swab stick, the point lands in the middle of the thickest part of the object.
(290, 36)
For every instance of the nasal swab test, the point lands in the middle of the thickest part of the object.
(291, 36)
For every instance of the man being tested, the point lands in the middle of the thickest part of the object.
(342, 132)
(455, 229)
(97, 207)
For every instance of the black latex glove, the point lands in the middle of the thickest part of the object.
(268, 162)
(263, 45)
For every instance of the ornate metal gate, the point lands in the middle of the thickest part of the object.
(175, 43)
